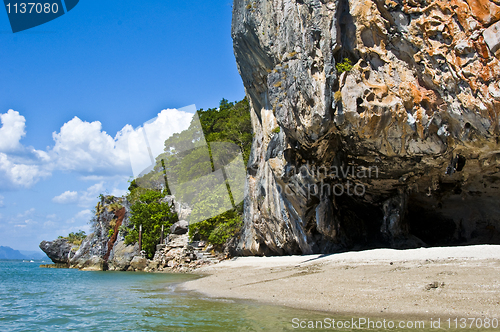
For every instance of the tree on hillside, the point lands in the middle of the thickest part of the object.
(150, 212)
(187, 158)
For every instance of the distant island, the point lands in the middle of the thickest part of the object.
(9, 253)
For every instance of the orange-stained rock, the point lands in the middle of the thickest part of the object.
(421, 102)
(485, 11)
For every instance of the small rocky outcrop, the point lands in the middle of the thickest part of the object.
(178, 255)
(179, 228)
(105, 248)
(138, 263)
(59, 251)
(95, 263)
(122, 255)
(400, 149)
(111, 213)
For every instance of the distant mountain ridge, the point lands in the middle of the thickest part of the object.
(9, 253)
(34, 254)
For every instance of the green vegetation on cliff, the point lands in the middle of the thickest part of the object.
(150, 212)
(75, 238)
(185, 160)
(343, 66)
(229, 123)
(217, 230)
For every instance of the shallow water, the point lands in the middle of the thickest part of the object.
(40, 299)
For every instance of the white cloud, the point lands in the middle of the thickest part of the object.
(167, 123)
(94, 178)
(87, 198)
(118, 192)
(26, 213)
(79, 146)
(14, 174)
(157, 131)
(20, 166)
(67, 197)
(83, 215)
(90, 196)
(26, 223)
(83, 146)
(1, 201)
(12, 130)
(49, 224)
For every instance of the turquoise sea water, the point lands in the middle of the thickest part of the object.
(41, 299)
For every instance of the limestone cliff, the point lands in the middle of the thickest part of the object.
(105, 248)
(401, 150)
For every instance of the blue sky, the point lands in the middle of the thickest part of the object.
(72, 90)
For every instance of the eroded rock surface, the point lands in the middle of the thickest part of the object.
(179, 228)
(139, 263)
(59, 251)
(178, 255)
(410, 134)
(122, 255)
(95, 263)
(106, 248)
(111, 213)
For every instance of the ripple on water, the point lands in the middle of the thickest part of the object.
(37, 299)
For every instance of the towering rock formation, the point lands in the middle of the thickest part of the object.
(401, 150)
(99, 250)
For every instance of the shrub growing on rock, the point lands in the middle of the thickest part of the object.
(219, 229)
(151, 213)
(75, 238)
(345, 65)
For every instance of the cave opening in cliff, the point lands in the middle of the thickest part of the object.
(359, 224)
(430, 226)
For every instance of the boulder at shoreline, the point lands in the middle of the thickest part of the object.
(59, 251)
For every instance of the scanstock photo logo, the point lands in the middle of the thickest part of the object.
(215, 182)
(24, 15)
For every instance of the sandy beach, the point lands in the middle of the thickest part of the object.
(445, 282)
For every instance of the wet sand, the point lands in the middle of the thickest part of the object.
(445, 282)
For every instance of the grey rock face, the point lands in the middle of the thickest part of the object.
(92, 245)
(139, 263)
(122, 255)
(96, 244)
(179, 228)
(95, 263)
(401, 150)
(182, 209)
(59, 251)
